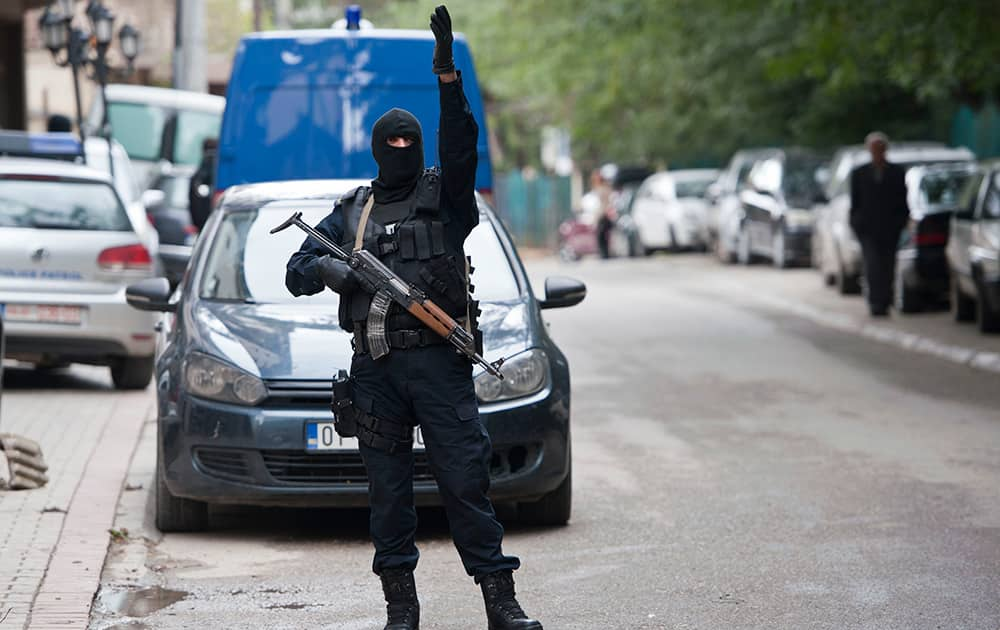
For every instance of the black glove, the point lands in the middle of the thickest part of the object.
(444, 62)
(337, 274)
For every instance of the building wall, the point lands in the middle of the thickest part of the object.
(50, 88)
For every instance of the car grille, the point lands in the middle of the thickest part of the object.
(298, 393)
(330, 468)
(226, 463)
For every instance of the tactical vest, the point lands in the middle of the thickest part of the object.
(414, 247)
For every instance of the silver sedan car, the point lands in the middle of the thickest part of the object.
(68, 248)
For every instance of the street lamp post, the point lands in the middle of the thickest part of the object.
(71, 46)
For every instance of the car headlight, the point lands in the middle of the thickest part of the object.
(797, 219)
(210, 378)
(524, 374)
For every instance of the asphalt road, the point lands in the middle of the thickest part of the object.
(736, 466)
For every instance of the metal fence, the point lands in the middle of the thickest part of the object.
(533, 205)
(978, 129)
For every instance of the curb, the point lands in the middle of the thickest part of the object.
(962, 355)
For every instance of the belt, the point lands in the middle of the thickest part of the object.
(398, 339)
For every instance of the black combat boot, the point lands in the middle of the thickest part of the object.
(502, 610)
(402, 606)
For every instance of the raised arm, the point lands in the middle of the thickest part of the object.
(458, 132)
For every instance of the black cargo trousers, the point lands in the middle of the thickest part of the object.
(430, 386)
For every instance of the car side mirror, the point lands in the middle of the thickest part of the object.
(561, 291)
(151, 294)
(153, 198)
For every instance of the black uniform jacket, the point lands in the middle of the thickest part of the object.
(457, 141)
(878, 206)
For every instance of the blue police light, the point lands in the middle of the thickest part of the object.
(353, 17)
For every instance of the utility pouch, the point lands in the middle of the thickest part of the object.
(344, 413)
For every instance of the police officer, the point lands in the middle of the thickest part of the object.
(416, 221)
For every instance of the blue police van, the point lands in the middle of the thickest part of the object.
(301, 104)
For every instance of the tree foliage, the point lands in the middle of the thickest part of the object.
(683, 81)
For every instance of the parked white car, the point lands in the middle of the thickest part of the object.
(725, 213)
(835, 247)
(158, 126)
(670, 211)
(68, 249)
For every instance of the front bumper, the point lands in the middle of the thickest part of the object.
(110, 328)
(220, 453)
(798, 244)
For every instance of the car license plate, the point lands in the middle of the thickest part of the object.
(321, 436)
(44, 313)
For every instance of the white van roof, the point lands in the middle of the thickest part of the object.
(165, 97)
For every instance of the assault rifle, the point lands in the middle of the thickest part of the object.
(389, 288)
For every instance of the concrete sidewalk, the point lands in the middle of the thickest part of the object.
(53, 540)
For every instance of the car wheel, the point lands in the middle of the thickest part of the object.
(723, 253)
(847, 284)
(132, 372)
(743, 255)
(553, 509)
(907, 300)
(829, 279)
(174, 514)
(963, 308)
(778, 257)
(989, 320)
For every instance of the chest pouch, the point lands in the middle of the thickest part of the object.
(427, 196)
(443, 278)
(420, 240)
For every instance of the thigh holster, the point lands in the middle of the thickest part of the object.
(344, 413)
(388, 436)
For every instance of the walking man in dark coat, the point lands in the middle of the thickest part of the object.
(878, 215)
(416, 221)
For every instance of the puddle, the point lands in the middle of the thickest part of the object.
(139, 603)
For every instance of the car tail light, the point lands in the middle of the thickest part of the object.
(190, 230)
(125, 257)
(931, 238)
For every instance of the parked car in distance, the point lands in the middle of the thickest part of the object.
(158, 126)
(839, 252)
(170, 213)
(669, 210)
(725, 212)
(68, 249)
(302, 103)
(777, 207)
(974, 251)
(624, 237)
(244, 369)
(922, 273)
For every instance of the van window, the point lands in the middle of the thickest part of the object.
(60, 204)
(139, 128)
(192, 129)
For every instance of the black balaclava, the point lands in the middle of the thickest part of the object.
(398, 168)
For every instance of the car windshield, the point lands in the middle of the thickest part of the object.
(693, 187)
(247, 264)
(940, 190)
(175, 189)
(799, 181)
(60, 204)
